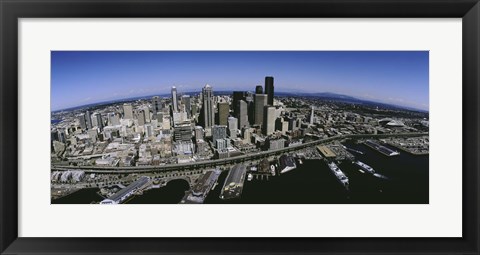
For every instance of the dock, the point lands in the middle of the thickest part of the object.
(128, 191)
(233, 186)
(326, 152)
(380, 148)
(201, 189)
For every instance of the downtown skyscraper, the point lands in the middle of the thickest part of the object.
(156, 104)
(174, 99)
(269, 89)
(127, 111)
(260, 101)
(208, 113)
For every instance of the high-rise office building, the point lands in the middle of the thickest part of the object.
(237, 96)
(146, 110)
(174, 99)
(186, 101)
(113, 119)
(141, 117)
(156, 105)
(194, 110)
(62, 137)
(259, 89)
(208, 113)
(127, 111)
(268, 120)
(183, 133)
(97, 120)
(232, 127)
(88, 119)
(219, 132)
(223, 113)
(198, 132)
(260, 102)
(82, 121)
(242, 114)
(269, 89)
(148, 130)
(251, 108)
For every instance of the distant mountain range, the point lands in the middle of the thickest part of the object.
(349, 99)
(322, 95)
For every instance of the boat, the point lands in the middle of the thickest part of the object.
(300, 161)
(364, 166)
(253, 168)
(380, 148)
(341, 177)
(250, 177)
(272, 170)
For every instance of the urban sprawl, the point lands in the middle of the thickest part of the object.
(124, 148)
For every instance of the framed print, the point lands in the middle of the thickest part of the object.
(239, 127)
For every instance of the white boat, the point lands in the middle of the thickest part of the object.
(250, 177)
(364, 166)
(341, 177)
(272, 170)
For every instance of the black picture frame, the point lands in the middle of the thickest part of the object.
(12, 10)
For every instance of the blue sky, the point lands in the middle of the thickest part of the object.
(85, 77)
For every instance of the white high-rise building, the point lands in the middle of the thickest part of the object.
(148, 130)
(243, 114)
(127, 111)
(232, 127)
(174, 99)
(113, 119)
(269, 120)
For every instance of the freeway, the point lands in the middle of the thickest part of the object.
(218, 162)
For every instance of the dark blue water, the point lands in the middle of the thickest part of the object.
(83, 196)
(170, 194)
(313, 183)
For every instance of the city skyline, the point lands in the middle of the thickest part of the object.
(82, 78)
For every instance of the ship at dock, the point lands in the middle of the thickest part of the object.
(364, 166)
(341, 177)
(201, 189)
(380, 148)
(286, 163)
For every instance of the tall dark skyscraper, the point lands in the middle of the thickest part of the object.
(260, 102)
(259, 89)
(156, 104)
(88, 119)
(208, 114)
(223, 112)
(237, 96)
(269, 89)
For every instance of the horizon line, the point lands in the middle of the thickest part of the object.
(151, 95)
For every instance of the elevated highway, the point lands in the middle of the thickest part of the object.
(227, 161)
